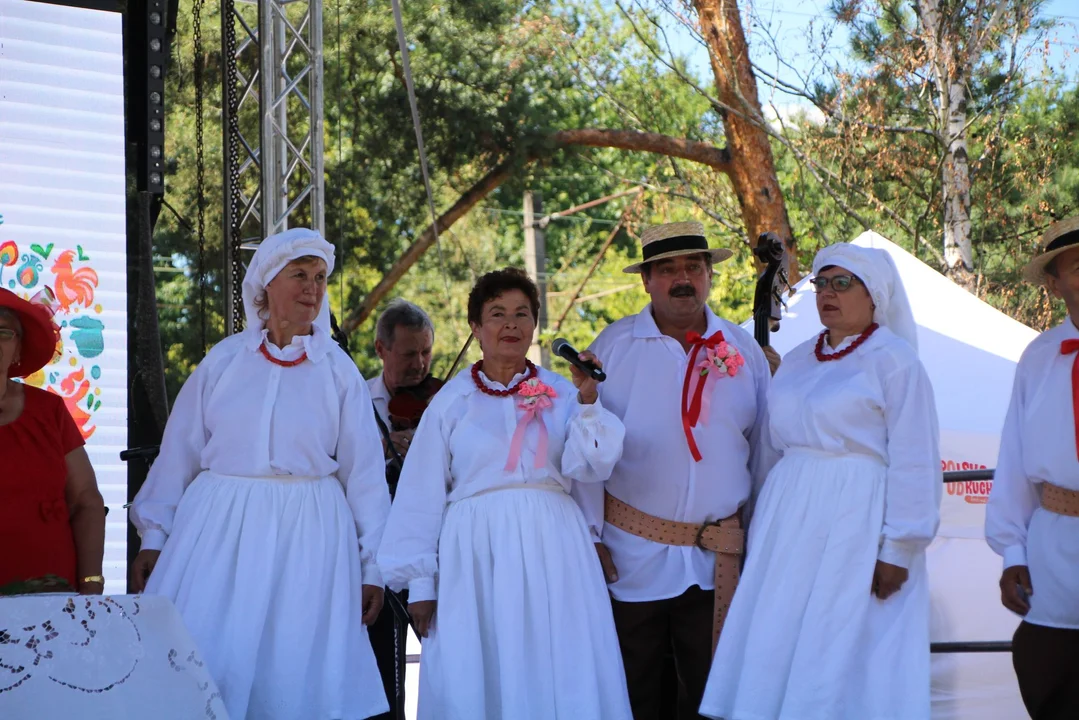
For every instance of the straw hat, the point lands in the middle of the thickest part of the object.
(659, 242)
(1060, 237)
(39, 334)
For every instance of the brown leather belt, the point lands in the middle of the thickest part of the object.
(724, 537)
(1061, 501)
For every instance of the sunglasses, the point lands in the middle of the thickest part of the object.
(7, 334)
(839, 283)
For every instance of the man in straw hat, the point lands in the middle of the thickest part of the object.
(690, 388)
(1032, 519)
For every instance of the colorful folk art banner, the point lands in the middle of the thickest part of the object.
(62, 220)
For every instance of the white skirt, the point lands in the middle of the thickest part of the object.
(523, 628)
(266, 574)
(805, 639)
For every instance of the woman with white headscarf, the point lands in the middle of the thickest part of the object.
(831, 617)
(262, 515)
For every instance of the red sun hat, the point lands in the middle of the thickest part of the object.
(40, 335)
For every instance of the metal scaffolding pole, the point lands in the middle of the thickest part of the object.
(272, 128)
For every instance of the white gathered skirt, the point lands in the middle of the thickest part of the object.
(523, 627)
(266, 574)
(804, 638)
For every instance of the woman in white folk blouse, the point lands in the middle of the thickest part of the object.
(261, 516)
(503, 580)
(831, 617)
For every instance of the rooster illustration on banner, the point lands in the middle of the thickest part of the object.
(75, 373)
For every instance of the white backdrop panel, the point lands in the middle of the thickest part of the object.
(62, 219)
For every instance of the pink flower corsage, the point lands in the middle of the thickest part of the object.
(533, 391)
(725, 358)
(533, 396)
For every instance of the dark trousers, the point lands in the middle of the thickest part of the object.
(1046, 663)
(388, 635)
(650, 633)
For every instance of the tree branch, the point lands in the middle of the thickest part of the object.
(716, 158)
(713, 157)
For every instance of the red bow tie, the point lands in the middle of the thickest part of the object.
(691, 411)
(1067, 348)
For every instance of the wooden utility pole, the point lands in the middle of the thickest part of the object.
(536, 265)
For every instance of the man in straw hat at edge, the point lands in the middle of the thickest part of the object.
(690, 388)
(1032, 519)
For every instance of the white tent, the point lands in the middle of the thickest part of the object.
(970, 351)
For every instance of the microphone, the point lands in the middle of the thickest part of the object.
(564, 350)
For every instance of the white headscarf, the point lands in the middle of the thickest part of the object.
(271, 257)
(877, 270)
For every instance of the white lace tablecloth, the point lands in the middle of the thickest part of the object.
(89, 657)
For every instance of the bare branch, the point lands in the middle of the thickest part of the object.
(709, 155)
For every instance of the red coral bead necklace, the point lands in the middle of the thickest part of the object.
(283, 363)
(529, 374)
(819, 350)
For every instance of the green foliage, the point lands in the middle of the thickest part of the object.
(494, 79)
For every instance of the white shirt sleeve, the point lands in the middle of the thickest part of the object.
(593, 443)
(177, 465)
(762, 454)
(362, 472)
(914, 477)
(589, 495)
(408, 556)
(1013, 499)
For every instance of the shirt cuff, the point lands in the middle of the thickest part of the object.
(590, 410)
(153, 539)
(895, 552)
(371, 573)
(421, 589)
(1015, 555)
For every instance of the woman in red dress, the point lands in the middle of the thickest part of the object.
(52, 517)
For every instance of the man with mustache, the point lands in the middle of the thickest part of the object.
(690, 389)
(404, 340)
(1032, 520)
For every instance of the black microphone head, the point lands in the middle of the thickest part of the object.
(558, 344)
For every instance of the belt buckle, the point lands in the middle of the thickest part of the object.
(700, 533)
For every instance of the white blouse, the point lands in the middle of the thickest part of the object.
(239, 414)
(1038, 445)
(657, 474)
(876, 402)
(460, 449)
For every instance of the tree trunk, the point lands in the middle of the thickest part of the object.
(954, 48)
(753, 172)
(955, 183)
(716, 158)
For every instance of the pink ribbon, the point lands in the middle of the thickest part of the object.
(531, 412)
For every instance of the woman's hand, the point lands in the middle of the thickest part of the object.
(610, 572)
(373, 596)
(887, 579)
(423, 616)
(91, 588)
(141, 569)
(587, 387)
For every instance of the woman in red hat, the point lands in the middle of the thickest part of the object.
(52, 517)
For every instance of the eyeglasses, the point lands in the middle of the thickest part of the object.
(7, 335)
(839, 283)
